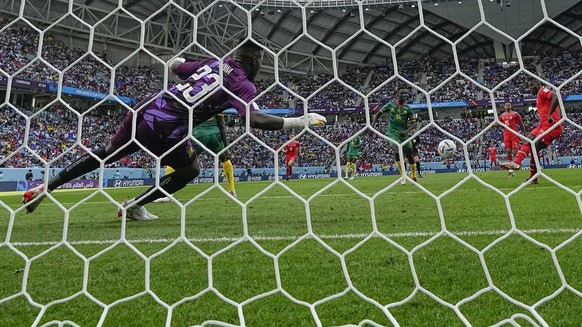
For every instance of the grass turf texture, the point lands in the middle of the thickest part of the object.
(448, 267)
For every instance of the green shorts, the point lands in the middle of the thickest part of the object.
(212, 142)
(405, 147)
(353, 156)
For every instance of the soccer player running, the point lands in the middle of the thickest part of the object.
(353, 156)
(511, 141)
(212, 134)
(291, 150)
(547, 104)
(400, 123)
(492, 154)
(162, 124)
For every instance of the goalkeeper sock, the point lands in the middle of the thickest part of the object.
(413, 171)
(170, 183)
(229, 173)
(348, 164)
(353, 169)
(78, 168)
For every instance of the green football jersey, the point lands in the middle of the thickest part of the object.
(400, 117)
(354, 145)
(209, 127)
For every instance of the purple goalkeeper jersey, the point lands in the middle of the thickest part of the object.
(169, 118)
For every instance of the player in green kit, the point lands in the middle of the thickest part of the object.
(400, 123)
(353, 155)
(211, 133)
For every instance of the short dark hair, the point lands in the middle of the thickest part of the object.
(249, 48)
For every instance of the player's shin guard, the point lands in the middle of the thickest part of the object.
(229, 173)
(348, 164)
(399, 166)
(171, 183)
(413, 171)
(523, 152)
(78, 168)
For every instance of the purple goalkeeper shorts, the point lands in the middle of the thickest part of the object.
(156, 143)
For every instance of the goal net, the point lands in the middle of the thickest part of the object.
(347, 240)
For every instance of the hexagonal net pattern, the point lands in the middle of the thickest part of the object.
(318, 297)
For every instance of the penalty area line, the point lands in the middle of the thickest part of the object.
(293, 238)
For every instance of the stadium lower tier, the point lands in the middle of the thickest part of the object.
(14, 178)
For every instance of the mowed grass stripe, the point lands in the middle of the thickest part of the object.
(292, 238)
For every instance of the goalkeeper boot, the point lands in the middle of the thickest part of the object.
(233, 193)
(162, 200)
(150, 215)
(136, 213)
(33, 197)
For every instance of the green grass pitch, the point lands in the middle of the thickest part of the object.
(409, 271)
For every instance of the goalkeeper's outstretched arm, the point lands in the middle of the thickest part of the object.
(269, 122)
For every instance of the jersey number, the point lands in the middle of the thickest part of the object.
(202, 73)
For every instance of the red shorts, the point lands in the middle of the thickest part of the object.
(290, 158)
(493, 159)
(552, 135)
(511, 141)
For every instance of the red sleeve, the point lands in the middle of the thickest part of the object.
(518, 117)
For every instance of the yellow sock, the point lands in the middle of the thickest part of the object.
(399, 167)
(169, 170)
(412, 171)
(229, 173)
(353, 169)
(347, 168)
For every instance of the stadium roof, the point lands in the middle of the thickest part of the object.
(170, 27)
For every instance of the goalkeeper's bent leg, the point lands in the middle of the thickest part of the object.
(169, 170)
(170, 183)
(229, 173)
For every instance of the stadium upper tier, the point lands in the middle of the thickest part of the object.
(56, 131)
(19, 45)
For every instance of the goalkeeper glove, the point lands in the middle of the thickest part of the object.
(312, 120)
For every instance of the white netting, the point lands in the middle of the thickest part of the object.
(313, 308)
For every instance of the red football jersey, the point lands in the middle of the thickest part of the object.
(292, 148)
(492, 151)
(544, 103)
(510, 119)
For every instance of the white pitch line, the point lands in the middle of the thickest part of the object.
(293, 238)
